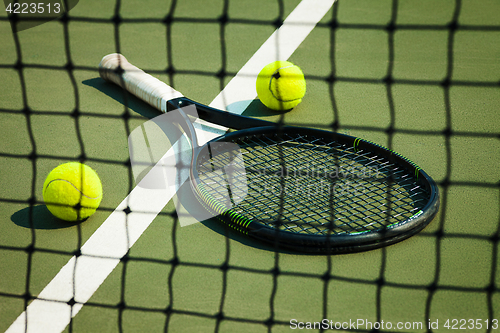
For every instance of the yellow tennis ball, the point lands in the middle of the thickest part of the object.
(281, 85)
(72, 191)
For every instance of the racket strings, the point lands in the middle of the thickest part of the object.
(310, 185)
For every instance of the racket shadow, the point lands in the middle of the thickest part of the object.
(190, 210)
(138, 106)
(226, 231)
(255, 109)
(117, 93)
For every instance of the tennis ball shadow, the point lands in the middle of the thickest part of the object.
(39, 217)
(256, 109)
(119, 95)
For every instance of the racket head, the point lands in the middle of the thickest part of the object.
(314, 191)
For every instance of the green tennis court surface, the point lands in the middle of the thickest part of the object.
(422, 78)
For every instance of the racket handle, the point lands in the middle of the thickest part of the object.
(142, 85)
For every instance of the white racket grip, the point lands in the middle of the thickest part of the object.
(142, 85)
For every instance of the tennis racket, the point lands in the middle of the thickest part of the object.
(305, 190)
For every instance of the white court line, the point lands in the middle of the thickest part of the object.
(82, 275)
